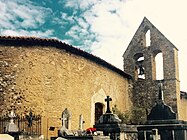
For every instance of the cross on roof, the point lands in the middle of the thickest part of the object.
(107, 100)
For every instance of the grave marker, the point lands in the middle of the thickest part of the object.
(107, 100)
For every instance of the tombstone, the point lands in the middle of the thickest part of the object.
(66, 119)
(161, 111)
(162, 123)
(66, 124)
(11, 127)
(81, 122)
(65, 133)
(109, 123)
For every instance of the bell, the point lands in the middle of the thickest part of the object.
(141, 70)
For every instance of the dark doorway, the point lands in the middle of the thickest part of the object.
(98, 111)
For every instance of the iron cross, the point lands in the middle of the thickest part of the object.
(107, 100)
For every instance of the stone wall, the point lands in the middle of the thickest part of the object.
(184, 109)
(183, 105)
(47, 80)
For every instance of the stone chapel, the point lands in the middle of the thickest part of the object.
(47, 76)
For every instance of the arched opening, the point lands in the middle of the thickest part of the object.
(148, 38)
(98, 97)
(98, 111)
(139, 66)
(159, 69)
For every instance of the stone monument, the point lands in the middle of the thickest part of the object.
(11, 126)
(161, 111)
(108, 99)
(66, 124)
(109, 123)
(65, 133)
(66, 119)
(162, 123)
(81, 122)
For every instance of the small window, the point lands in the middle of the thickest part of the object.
(148, 38)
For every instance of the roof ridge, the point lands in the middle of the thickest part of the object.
(33, 41)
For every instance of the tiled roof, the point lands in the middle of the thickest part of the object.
(34, 41)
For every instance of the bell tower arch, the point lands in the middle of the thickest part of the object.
(140, 61)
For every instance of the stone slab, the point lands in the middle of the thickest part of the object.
(82, 138)
(6, 137)
(59, 138)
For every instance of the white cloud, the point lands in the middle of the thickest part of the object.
(115, 23)
(82, 23)
(77, 4)
(73, 32)
(110, 28)
(27, 33)
(18, 16)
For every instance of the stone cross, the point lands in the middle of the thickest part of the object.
(107, 100)
(81, 122)
(66, 117)
(64, 122)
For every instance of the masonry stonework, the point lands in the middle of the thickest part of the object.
(184, 105)
(47, 80)
(139, 61)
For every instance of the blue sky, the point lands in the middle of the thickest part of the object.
(64, 20)
(101, 27)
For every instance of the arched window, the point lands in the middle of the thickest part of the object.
(159, 69)
(148, 38)
(139, 66)
(98, 111)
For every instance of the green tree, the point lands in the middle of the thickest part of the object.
(135, 115)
